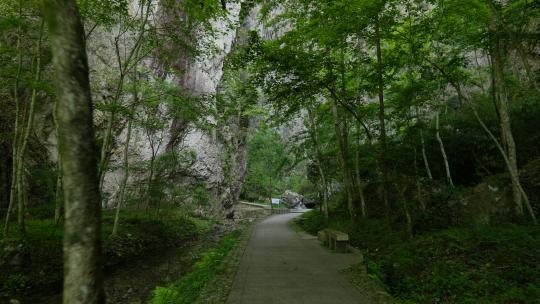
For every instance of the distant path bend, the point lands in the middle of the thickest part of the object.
(281, 266)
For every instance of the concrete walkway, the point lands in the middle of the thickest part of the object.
(281, 265)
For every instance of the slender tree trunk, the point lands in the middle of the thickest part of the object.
(58, 197)
(424, 156)
(82, 231)
(358, 177)
(270, 193)
(120, 199)
(318, 163)
(514, 175)
(150, 180)
(408, 217)
(16, 131)
(347, 177)
(103, 160)
(508, 142)
(443, 151)
(26, 136)
(124, 66)
(382, 124)
(418, 185)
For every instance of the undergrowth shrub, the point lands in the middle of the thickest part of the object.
(187, 289)
(458, 265)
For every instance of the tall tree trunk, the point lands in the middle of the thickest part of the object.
(443, 151)
(150, 180)
(343, 157)
(360, 183)
(26, 136)
(501, 99)
(418, 185)
(382, 124)
(514, 176)
(424, 156)
(82, 231)
(120, 199)
(405, 206)
(103, 160)
(16, 129)
(318, 163)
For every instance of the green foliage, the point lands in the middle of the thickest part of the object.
(489, 265)
(35, 262)
(188, 288)
(312, 222)
(267, 161)
(455, 265)
(103, 12)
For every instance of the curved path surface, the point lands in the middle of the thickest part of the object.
(281, 265)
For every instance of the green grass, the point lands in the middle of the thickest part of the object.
(38, 257)
(188, 289)
(456, 265)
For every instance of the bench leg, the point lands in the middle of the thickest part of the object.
(341, 247)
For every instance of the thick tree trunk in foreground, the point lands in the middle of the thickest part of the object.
(82, 244)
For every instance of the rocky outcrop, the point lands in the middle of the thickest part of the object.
(293, 200)
(488, 203)
(220, 151)
(212, 148)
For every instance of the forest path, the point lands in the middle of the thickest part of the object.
(281, 265)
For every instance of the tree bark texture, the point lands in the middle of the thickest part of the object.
(82, 244)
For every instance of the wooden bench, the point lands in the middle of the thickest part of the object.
(334, 239)
(323, 237)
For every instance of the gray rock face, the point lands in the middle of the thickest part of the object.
(223, 176)
(220, 150)
(293, 200)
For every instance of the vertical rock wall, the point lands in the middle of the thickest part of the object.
(221, 151)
